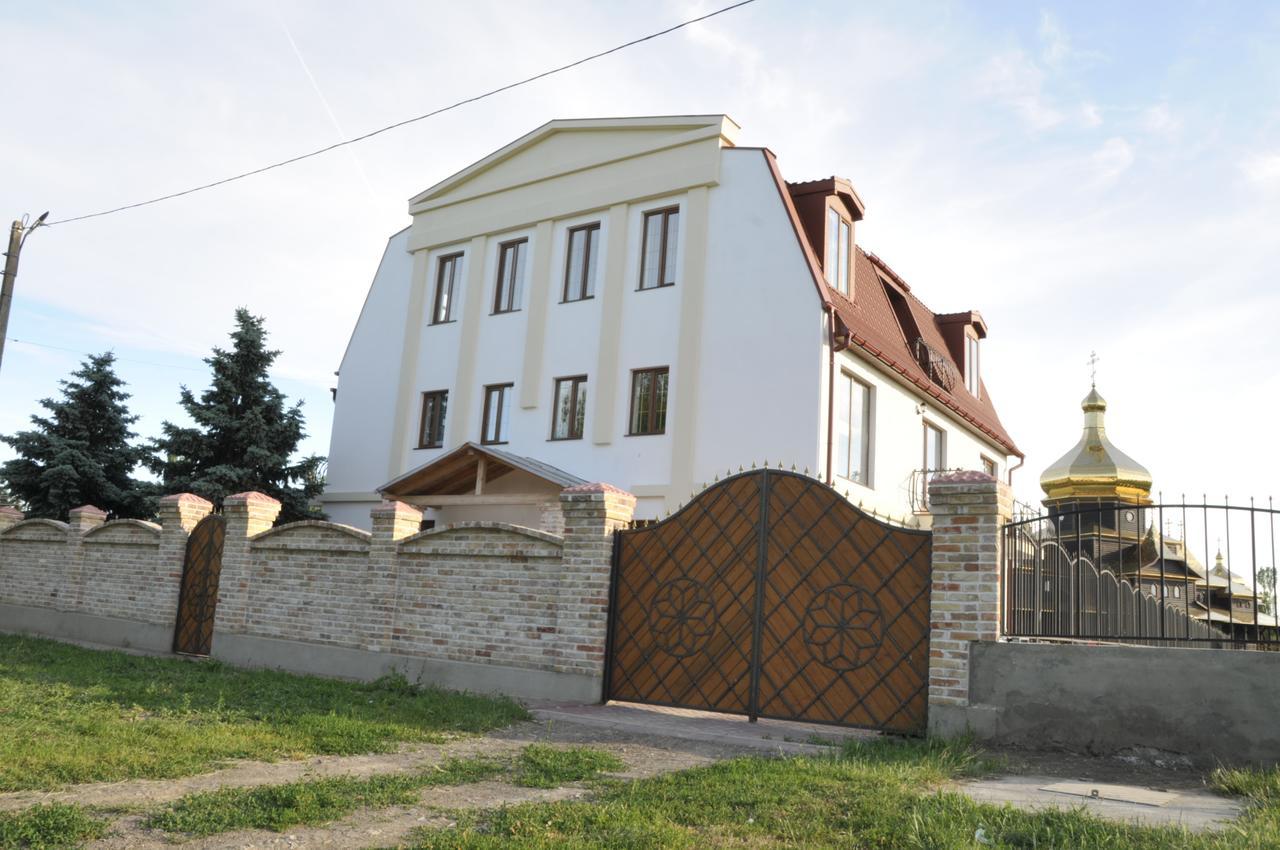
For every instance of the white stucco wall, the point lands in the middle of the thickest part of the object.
(897, 439)
(744, 312)
(367, 385)
(760, 384)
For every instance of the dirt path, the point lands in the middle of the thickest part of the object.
(643, 754)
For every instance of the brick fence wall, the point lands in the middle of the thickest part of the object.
(474, 605)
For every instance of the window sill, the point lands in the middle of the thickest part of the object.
(494, 442)
(576, 300)
(505, 312)
(652, 288)
(563, 439)
(646, 434)
(445, 322)
(425, 448)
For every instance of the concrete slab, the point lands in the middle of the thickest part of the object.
(1118, 793)
(1196, 809)
(771, 736)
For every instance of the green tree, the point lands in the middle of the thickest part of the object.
(1267, 589)
(244, 437)
(80, 454)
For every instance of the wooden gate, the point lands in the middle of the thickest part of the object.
(198, 599)
(770, 595)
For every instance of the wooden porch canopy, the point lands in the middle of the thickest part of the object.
(459, 477)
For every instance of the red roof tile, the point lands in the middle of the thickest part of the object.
(873, 325)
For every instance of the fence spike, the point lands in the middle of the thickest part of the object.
(806, 470)
(739, 467)
(715, 478)
(780, 465)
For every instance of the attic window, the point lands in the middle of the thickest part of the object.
(836, 267)
(972, 377)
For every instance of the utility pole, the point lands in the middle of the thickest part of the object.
(18, 234)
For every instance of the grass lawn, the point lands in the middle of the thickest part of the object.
(309, 802)
(47, 827)
(71, 715)
(867, 795)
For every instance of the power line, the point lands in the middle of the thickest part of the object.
(408, 121)
(119, 359)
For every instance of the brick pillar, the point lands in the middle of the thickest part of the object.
(86, 518)
(392, 522)
(551, 518)
(9, 516)
(81, 520)
(179, 514)
(592, 513)
(968, 510)
(247, 514)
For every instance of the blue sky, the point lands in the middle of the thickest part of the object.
(1088, 175)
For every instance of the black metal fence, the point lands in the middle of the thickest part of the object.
(1196, 574)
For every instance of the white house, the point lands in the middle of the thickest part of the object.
(640, 301)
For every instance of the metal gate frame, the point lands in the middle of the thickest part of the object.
(864, 533)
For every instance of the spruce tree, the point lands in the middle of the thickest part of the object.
(244, 437)
(80, 453)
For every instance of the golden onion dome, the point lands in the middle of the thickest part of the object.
(1095, 468)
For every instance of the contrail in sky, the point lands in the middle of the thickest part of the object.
(337, 125)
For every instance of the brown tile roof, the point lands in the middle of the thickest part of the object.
(874, 327)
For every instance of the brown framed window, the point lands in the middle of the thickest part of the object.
(853, 429)
(511, 259)
(990, 467)
(497, 413)
(649, 401)
(579, 267)
(972, 374)
(570, 411)
(659, 253)
(431, 427)
(446, 276)
(838, 239)
(934, 460)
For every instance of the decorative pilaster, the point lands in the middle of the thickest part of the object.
(968, 510)
(592, 513)
(247, 514)
(392, 522)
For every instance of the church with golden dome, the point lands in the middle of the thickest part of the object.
(1100, 512)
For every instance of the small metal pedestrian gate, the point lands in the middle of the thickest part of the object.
(198, 598)
(770, 595)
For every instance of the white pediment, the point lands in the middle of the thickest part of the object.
(567, 146)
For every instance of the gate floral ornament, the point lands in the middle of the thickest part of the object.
(683, 617)
(843, 627)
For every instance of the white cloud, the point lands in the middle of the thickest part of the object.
(1090, 114)
(1056, 46)
(1159, 120)
(1014, 79)
(1262, 168)
(1112, 159)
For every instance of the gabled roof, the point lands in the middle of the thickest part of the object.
(454, 472)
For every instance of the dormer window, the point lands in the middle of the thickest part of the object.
(837, 263)
(972, 377)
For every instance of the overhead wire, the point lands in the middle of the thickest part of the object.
(407, 121)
